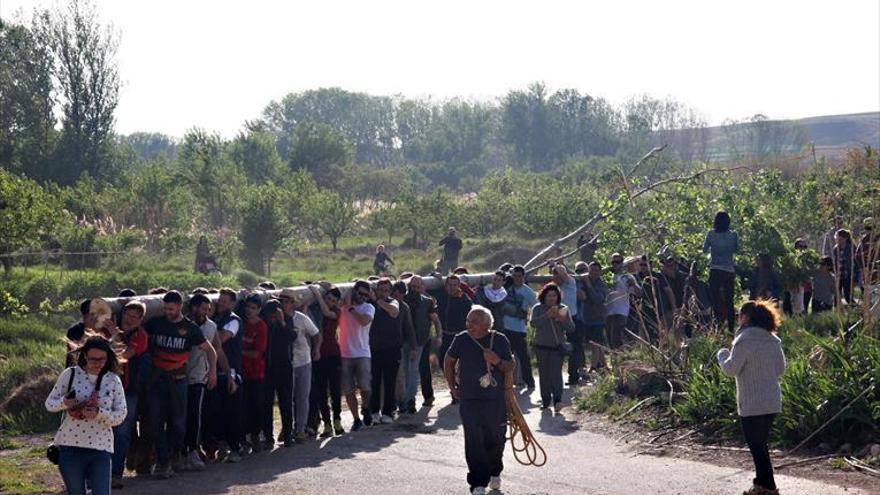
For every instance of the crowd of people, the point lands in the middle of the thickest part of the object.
(199, 383)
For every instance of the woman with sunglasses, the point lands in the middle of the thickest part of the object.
(93, 401)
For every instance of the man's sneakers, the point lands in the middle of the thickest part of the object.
(162, 471)
(368, 418)
(495, 483)
(478, 490)
(194, 461)
(301, 437)
(233, 457)
(337, 427)
(428, 402)
(376, 419)
(557, 407)
(116, 483)
(288, 441)
(386, 419)
(358, 425)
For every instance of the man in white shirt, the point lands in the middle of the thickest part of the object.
(618, 304)
(303, 353)
(354, 346)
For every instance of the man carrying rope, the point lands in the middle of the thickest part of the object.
(483, 357)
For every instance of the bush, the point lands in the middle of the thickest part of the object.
(247, 278)
(38, 290)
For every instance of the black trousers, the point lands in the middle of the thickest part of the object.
(756, 429)
(721, 293)
(425, 371)
(224, 416)
(254, 407)
(384, 364)
(326, 384)
(195, 416)
(279, 382)
(520, 348)
(485, 428)
(577, 359)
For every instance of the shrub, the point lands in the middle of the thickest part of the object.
(38, 290)
(247, 278)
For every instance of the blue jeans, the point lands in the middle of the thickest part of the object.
(122, 435)
(167, 401)
(78, 465)
(409, 371)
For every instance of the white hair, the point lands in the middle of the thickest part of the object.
(487, 314)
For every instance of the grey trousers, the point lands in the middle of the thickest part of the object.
(549, 375)
(302, 387)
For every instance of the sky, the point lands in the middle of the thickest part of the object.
(215, 64)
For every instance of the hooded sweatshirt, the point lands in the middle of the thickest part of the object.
(757, 362)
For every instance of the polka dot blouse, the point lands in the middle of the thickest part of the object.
(94, 433)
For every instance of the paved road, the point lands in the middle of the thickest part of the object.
(425, 455)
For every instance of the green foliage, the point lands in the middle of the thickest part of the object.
(320, 149)
(331, 215)
(256, 154)
(263, 227)
(26, 213)
(798, 267)
(26, 118)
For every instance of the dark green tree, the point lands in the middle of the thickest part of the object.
(26, 120)
(87, 76)
(263, 226)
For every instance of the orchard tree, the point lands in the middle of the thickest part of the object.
(263, 226)
(26, 213)
(331, 215)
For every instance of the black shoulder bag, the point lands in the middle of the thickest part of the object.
(52, 452)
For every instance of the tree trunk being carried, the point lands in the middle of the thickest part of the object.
(155, 306)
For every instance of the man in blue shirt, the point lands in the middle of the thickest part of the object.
(520, 298)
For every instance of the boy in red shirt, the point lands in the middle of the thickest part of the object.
(253, 351)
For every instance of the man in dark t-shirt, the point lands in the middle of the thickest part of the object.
(451, 247)
(483, 357)
(77, 332)
(171, 337)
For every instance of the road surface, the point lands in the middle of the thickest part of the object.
(424, 454)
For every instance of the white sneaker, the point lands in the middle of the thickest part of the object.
(479, 490)
(495, 483)
(386, 419)
(195, 461)
(377, 418)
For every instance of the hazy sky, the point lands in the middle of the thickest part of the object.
(216, 63)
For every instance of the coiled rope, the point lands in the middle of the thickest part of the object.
(522, 441)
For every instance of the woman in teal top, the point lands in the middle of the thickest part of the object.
(722, 243)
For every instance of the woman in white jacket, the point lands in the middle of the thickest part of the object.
(93, 402)
(757, 362)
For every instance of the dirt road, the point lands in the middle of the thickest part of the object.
(424, 454)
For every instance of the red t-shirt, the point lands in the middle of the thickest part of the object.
(330, 343)
(255, 338)
(138, 342)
